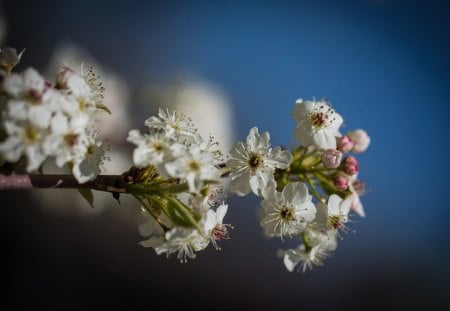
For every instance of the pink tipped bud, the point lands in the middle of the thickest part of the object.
(361, 140)
(341, 182)
(351, 166)
(47, 85)
(345, 144)
(359, 187)
(62, 77)
(331, 158)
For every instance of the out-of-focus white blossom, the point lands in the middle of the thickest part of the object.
(42, 121)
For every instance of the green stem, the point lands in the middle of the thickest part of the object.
(152, 213)
(314, 190)
(306, 242)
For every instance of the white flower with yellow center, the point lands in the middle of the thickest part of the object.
(24, 139)
(87, 167)
(193, 164)
(68, 140)
(317, 124)
(151, 149)
(29, 98)
(174, 124)
(253, 163)
(334, 214)
(288, 212)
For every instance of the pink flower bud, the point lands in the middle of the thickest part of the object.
(345, 144)
(359, 187)
(331, 158)
(62, 77)
(47, 85)
(341, 182)
(351, 165)
(361, 140)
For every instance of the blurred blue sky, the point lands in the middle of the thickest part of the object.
(383, 64)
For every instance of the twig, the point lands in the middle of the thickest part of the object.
(109, 183)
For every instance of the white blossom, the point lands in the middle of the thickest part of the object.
(29, 85)
(194, 165)
(288, 212)
(173, 123)
(334, 214)
(183, 241)
(151, 149)
(306, 257)
(87, 167)
(317, 124)
(253, 163)
(23, 139)
(68, 139)
(213, 226)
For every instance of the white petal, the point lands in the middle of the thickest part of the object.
(323, 139)
(291, 259)
(253, 138)
(295, 193)
(40, 116)
(34, 157)
(17, 109)
(221, 212)
(240, 184)
(33, 80)
(13, 85)
(283, 158)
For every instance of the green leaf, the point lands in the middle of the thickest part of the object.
(103, 107)
(88, 195)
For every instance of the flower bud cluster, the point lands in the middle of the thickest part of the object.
(44, 120)
(308, 193)
(186, 165)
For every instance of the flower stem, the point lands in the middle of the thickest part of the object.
(314, 190)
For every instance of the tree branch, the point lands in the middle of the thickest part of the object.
(109, 183)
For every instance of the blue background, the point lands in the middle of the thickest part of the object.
(384, 65)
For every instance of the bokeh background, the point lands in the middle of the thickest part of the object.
(384, 65)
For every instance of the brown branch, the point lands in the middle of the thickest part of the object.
(109, 183)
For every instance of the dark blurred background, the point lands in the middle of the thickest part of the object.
(384, 65)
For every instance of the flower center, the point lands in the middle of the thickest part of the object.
(220, 232)
(71, 139)
(255, 161)
(30, 134)
(321, 116)
(287, 214)
(193, 166)
(35, 96)
(82, 104)
(158, 146)
(90, 150)
(335, 222)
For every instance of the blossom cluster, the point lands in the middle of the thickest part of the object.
(306, 194)
(184, 196)
(44, 120)
(178, 176)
